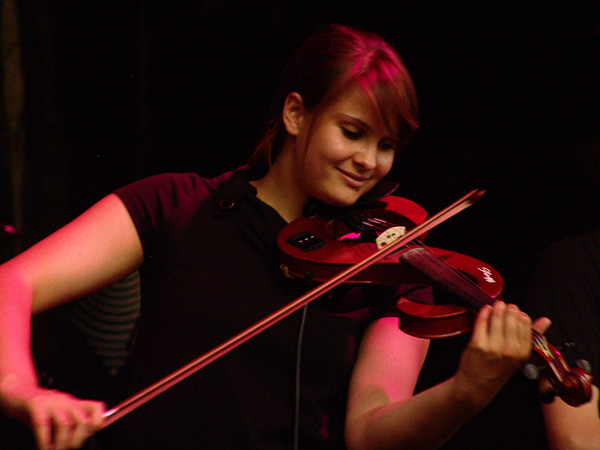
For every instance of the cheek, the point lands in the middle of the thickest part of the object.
(323, 149)
(385, 163)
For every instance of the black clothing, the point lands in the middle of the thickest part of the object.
(566, 289)
(210, 271)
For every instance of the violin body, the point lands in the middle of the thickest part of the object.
(434, 321)
(320, 247)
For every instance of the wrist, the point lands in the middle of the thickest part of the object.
(12, 381)
(15, 390)
(469, 396)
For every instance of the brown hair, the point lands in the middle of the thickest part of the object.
(328, 62)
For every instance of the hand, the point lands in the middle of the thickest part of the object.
(501, 342)
(59, 420)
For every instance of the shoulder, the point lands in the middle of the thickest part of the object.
(176, 183)
(173, 189)
(170, 200)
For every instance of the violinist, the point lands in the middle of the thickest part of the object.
(338, 374)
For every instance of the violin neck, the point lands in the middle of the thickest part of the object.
(447, 277)
(457, 283)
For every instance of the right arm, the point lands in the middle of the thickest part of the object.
(98, 248)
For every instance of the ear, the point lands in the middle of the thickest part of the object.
(293, 113)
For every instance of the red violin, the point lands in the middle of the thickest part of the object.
(320, 247)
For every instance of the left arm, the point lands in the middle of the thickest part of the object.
(382, 411)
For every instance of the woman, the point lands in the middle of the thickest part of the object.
(340, 374)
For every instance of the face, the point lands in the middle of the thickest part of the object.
(345, 152)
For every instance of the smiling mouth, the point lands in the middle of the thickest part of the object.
(352, 180)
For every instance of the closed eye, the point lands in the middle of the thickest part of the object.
(387, 145)
(353, 135)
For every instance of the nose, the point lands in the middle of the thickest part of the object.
(366, 157)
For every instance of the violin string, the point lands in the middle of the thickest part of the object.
(472, 290)
(433, 266)
(476, 293)
(377, 224)
(541, 343)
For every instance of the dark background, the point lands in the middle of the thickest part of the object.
(509, 98)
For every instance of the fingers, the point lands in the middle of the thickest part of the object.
(542, 324)
(517, 331)
(64, 427)
(480, 326)
(500, 343)
(42, 429)
(502, 330)
(65, 422)
(89, 420)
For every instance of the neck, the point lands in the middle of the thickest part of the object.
(278, 190)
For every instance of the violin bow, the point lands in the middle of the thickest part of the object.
(142, 397)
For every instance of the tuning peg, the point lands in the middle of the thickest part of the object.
(584, 365)
(531, 371)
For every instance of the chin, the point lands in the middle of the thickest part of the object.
(341, 201)
(340, 195)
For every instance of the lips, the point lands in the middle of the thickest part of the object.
(353, 180)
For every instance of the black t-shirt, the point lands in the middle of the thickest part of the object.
(566, 289)
(210, 271)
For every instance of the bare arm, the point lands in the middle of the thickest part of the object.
(572, 428)
(384, 414)
(96, 249)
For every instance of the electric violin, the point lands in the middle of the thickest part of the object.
(321, 246)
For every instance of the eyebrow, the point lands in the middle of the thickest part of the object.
(356, 119)
(366, 125)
